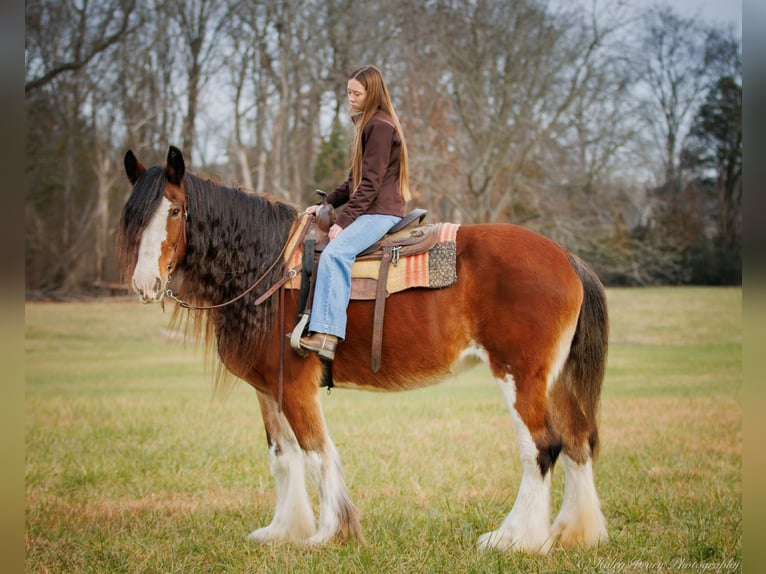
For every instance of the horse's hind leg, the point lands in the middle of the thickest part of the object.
(574, 404)
(580, 520)
(293, 518)
(527, 526)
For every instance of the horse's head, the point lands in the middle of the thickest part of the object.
(153, 224)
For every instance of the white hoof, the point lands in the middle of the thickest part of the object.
(505, 540)
(269, 535)
(272, 534)
(319, 539)
(580, 521)
(588, 532)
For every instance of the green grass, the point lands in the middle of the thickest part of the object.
(131, 466)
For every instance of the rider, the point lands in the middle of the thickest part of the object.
(374, 199)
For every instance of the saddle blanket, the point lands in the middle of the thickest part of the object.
(433, 269)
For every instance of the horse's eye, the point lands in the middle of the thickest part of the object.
(175, 211)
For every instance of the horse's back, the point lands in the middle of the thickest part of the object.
(514, 288)
(510, 252)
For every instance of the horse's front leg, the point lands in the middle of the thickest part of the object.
(293, 517)
(338, 517)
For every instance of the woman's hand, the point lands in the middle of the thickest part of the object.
(334, 230)
(312, 209)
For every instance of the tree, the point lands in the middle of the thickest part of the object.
(95, 27)
(670, 63)
(715, 144)
(332, 164)
(512, 74)
(200, 23)
(513, 110)
(678, 62)
(65, 43)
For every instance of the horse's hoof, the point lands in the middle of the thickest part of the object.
(269, 535)
(503, 540)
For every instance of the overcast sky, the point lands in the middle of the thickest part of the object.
(712, 11)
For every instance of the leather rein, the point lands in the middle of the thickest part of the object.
(286, 276)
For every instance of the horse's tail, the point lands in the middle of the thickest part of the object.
(586, 365)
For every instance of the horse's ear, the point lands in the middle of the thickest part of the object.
(175, 168)
(133, 167)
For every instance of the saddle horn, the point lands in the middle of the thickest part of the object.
(325, 214)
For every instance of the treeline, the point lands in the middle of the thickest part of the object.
(617, 133)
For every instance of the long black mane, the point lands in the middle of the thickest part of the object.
(233, 237)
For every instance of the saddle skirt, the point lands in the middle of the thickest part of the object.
(421, 256)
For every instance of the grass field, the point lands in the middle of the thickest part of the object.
(132, 466)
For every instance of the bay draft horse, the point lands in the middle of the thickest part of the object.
(533, 312)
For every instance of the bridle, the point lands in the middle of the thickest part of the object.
(181, 235)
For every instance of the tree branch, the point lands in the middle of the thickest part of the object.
(80, 62)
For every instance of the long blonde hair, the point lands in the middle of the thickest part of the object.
(377, 98)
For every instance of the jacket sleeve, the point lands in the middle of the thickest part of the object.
(341, 193)
(376, 155)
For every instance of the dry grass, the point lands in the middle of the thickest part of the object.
(131, 467)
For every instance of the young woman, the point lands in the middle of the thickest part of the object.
(374, 199)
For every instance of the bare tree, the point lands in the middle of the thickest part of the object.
(241, 68)
(200, 24)
(514, 110)
(64, 42)
(670, 63)
(678, 61)
(278, 70)
(515, 72)
(92, 27)
(147, 92)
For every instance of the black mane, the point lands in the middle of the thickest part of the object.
(233, 238)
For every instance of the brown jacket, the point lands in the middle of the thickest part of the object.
(378, 191)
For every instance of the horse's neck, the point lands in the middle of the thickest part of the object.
(247, 235)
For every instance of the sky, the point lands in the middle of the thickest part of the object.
(711, 11)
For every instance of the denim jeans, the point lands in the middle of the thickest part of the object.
(333, 282)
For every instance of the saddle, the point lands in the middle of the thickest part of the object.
(370, 277)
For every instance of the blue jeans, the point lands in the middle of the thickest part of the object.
(333, 283)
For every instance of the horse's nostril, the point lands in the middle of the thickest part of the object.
(157, 285)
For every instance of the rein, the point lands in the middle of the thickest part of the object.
(286, 276)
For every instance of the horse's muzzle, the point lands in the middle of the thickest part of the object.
(149, 294)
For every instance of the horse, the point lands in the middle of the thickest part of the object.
(534, 312)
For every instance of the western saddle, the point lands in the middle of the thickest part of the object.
(407, 237)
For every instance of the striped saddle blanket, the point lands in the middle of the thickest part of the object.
(423, 256)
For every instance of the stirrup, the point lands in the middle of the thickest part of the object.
(295, 336)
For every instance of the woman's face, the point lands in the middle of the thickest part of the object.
(357, 95)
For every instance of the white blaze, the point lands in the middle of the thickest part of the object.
(147, 277)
